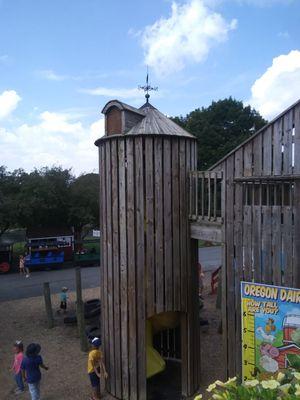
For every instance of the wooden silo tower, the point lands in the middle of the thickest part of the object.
(149, 262)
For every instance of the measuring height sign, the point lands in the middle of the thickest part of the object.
(270, 329)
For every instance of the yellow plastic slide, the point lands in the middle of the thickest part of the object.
(159, 322)
(155, 363)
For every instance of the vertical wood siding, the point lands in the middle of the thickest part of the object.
(262, 220)
(149, 262)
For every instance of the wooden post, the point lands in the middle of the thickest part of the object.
(80, 312)
(48, 305)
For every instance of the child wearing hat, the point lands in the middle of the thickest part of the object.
(63, 299)
(96, 368)
(30, 367)
(16, 367)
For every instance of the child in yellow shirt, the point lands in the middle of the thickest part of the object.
(96, 368)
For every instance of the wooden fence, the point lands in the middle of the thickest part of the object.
(261, 220)
(205, 190)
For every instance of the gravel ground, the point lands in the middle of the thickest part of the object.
(67, 376)
(25, 319)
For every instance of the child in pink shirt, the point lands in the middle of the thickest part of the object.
(16, 367)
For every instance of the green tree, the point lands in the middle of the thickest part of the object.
(220, 127)
(9, 208)
(44, 198)
(84, 204)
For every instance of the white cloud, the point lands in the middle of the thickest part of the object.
(185, 37)
(55, 139)
(9, 100)
(50, 75)
(278, 87)
(113, 93)
(283, 35)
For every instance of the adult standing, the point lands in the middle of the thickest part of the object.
(26, 260)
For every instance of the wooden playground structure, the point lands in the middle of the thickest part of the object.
(155, 206)
(259, 223)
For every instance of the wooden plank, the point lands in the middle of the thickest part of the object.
(277, 147)
(276, 245)
(287, 142)
(176, 224)
(102, 219)
(248, 154)
(195, 279)
(296, 151)
(247, 245)
(167, 204)
(196, 179)
(238, 252)
(189, 286)
(131, 254)
(105, 267)
(196, 330)
(149, 213)
(191, 195)
(296, 199)
(184, 353)
(202, 195)
(203, 230)
(193, 320)
(159, 243)
(215, 197)
(115, 264)
(110, 277)
(209, 197)
(183, 222)
(224, 276)
(287, 245)
(267, 151)
(266, 244)
(269, 179)
(257, 155)
(230, 265)
(140, 265)
(296, 242)
(256, 242)
(123, 269)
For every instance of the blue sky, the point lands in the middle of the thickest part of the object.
(62, 60)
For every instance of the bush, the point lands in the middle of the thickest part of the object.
(282, 387)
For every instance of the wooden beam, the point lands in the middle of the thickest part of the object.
(206, 231)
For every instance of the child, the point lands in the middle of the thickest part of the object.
(63, 299)
(30, 367)
(96, 368)
(16, 367)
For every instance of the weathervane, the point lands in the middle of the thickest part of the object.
(147, 88)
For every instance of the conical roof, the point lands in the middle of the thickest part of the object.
(156, 123)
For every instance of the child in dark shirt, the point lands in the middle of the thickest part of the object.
(30, 367)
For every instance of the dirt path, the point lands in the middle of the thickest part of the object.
(25, 319)
(67, 376)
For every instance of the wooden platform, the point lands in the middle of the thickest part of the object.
(207, 231)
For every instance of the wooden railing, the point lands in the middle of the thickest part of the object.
(205, 196)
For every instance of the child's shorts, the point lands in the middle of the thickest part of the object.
(63, 305)
(95, 380)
